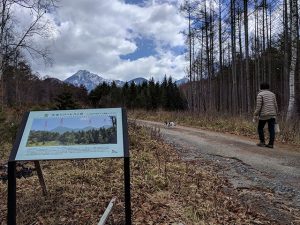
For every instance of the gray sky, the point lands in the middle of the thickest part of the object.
(115, 39)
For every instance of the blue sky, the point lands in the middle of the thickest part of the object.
(136, 2)
(145, 48)
(115, 39)
(47, 124)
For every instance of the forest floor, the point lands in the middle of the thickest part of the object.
(171, 184)
(178, 176)
(267, 180)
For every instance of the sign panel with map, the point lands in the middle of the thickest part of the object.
(70, 134)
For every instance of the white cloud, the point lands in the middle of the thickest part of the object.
(91, 34)
(148, 67)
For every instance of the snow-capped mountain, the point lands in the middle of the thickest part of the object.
(86, 78)
(181, 81)
(138, 81)
(89, 80)
(119, 83)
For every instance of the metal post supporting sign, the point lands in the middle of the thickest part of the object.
(41, 177)
(11, 175)
(127, 191)
(11, 197)
(71, 115)
(126, 171)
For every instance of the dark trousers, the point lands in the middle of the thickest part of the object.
(271, 127)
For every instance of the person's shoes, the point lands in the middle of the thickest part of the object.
(269, 146)
(261, 144)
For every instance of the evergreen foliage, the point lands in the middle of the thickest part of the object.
(24, 88)
(65, 101)
(148, 95)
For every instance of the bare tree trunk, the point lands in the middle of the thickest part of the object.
(190, 58)
(12, 40)
(286, 54)
(211, 37)
(247, 55)
(270, 45)
(207, 55)
(4, 18)
(233, 52)
(264, 78)
(241, 75)
(294, 36)
(193, 72)
(257, 50)
(201, 70)
(229, 82)
(268, 60)
(221, 80)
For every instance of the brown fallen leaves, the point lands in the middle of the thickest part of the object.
(165, 190)
(237, 125)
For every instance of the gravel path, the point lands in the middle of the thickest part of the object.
(267, 179)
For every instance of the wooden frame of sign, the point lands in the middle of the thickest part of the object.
(33, 144)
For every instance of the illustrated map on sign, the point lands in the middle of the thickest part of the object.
(73, 131)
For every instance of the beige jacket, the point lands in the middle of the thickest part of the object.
(266, 105)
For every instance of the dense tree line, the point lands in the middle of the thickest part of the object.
(234, 46)
(22, 87)
(148, 95)
(16, 40)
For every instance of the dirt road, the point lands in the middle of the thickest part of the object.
(267, 179)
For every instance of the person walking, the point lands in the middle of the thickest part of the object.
(266, 111)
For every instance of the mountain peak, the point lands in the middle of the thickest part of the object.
(92, 80)
(182, 81)
(138, 81)
(83, 71)
(86, 78)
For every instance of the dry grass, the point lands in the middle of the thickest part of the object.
(165, 190)
(238, 125)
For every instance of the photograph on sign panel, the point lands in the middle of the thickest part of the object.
(73, 131)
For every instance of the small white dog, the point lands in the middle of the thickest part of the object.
(170, 124)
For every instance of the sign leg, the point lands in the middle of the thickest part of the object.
(11, 196)
(127, 191)
(41, 177)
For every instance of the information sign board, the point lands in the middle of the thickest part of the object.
(71, 134)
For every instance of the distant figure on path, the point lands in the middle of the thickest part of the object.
(266, 111)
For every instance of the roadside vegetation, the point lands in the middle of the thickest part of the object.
(238, 125)
(165, 189)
